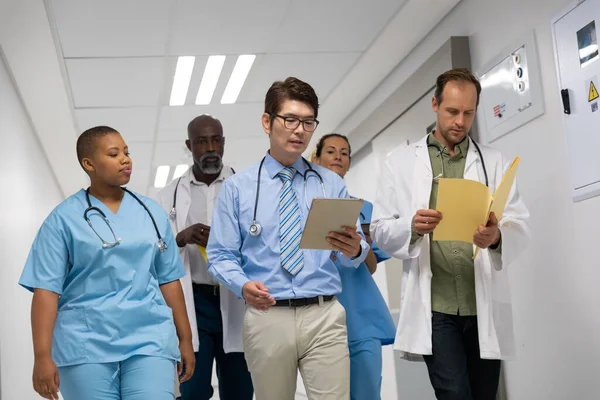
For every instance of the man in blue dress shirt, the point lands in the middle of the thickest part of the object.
(293, 319)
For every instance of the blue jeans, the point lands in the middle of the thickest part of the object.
(456, 369)
(235, 382)
(137, 378)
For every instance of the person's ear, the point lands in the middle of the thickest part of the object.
(188, 144)
(87, 165)
(266, 123)
(434, 104)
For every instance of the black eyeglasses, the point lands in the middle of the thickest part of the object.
(292, 123)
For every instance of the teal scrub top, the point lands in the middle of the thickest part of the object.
(367, 314)
(110, 306)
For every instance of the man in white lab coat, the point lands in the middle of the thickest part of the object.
(454, 311)
(215, 313)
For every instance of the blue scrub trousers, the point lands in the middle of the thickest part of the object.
(365, 369)
(235, 382)
(137, 378)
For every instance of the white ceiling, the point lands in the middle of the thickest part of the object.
(120, 58)
(116, 61)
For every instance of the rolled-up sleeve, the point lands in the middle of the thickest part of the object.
(223, 250)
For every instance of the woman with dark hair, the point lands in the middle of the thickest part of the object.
(370, 325)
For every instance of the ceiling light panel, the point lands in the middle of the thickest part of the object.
(181, 81)
(238, 78)
(162, 174)
(210, 78)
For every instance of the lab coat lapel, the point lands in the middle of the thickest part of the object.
(422, 153)
(184, 199)
(471, 164)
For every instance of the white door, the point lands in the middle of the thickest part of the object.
(578, 63)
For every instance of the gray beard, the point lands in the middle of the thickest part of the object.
(210, 168)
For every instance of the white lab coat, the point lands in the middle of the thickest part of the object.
(232, 308)
(405, 187)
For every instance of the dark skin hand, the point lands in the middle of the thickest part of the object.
(194, 234)
(371, 259)
(44, 309)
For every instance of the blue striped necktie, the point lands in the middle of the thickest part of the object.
(292, 258)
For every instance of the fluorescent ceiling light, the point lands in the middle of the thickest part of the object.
(180, 170)
(237, 79)
(181, 82)
(212, 72)
(162, 173)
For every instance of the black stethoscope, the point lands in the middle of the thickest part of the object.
(173, 212)
(162, 245)
(439, 154)
(255, 228)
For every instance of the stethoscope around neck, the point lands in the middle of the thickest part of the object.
(162, 245)
(255, 228)
(439, 154)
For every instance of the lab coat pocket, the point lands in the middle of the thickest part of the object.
(71, 333)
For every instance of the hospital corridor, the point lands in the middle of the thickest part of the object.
(299, 200)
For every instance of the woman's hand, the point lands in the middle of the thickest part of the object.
(45, 378)
(185, 369)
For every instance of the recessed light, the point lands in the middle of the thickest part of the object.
(238, 78)
(181, 81)
(210, 78)
(180, 170)
(162, 173)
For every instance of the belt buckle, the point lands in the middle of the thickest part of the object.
(216, 290)
(291, 303)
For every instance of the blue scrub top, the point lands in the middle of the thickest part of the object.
(110, 305)
(367, 314)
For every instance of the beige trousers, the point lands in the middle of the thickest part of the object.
(312, 338)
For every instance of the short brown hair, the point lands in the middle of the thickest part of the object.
(455, 75)
(290, 89)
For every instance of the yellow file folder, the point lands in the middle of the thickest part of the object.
(466, 204)
(203, 252)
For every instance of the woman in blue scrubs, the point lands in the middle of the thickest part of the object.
(108, 314)
(370, 325)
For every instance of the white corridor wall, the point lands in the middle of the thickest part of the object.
(29, 192)
(555, 283)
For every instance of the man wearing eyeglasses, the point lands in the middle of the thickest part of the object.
(293, 319)
(215, 313)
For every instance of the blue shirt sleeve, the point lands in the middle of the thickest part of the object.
(48, 262)
(225, 241)
(169, 266)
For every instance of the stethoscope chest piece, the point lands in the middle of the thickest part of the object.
(162, 246)
(173, 214)
(255, 229)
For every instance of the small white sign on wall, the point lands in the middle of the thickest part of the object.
(511, 91)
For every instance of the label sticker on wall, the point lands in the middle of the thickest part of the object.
(592, 92)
